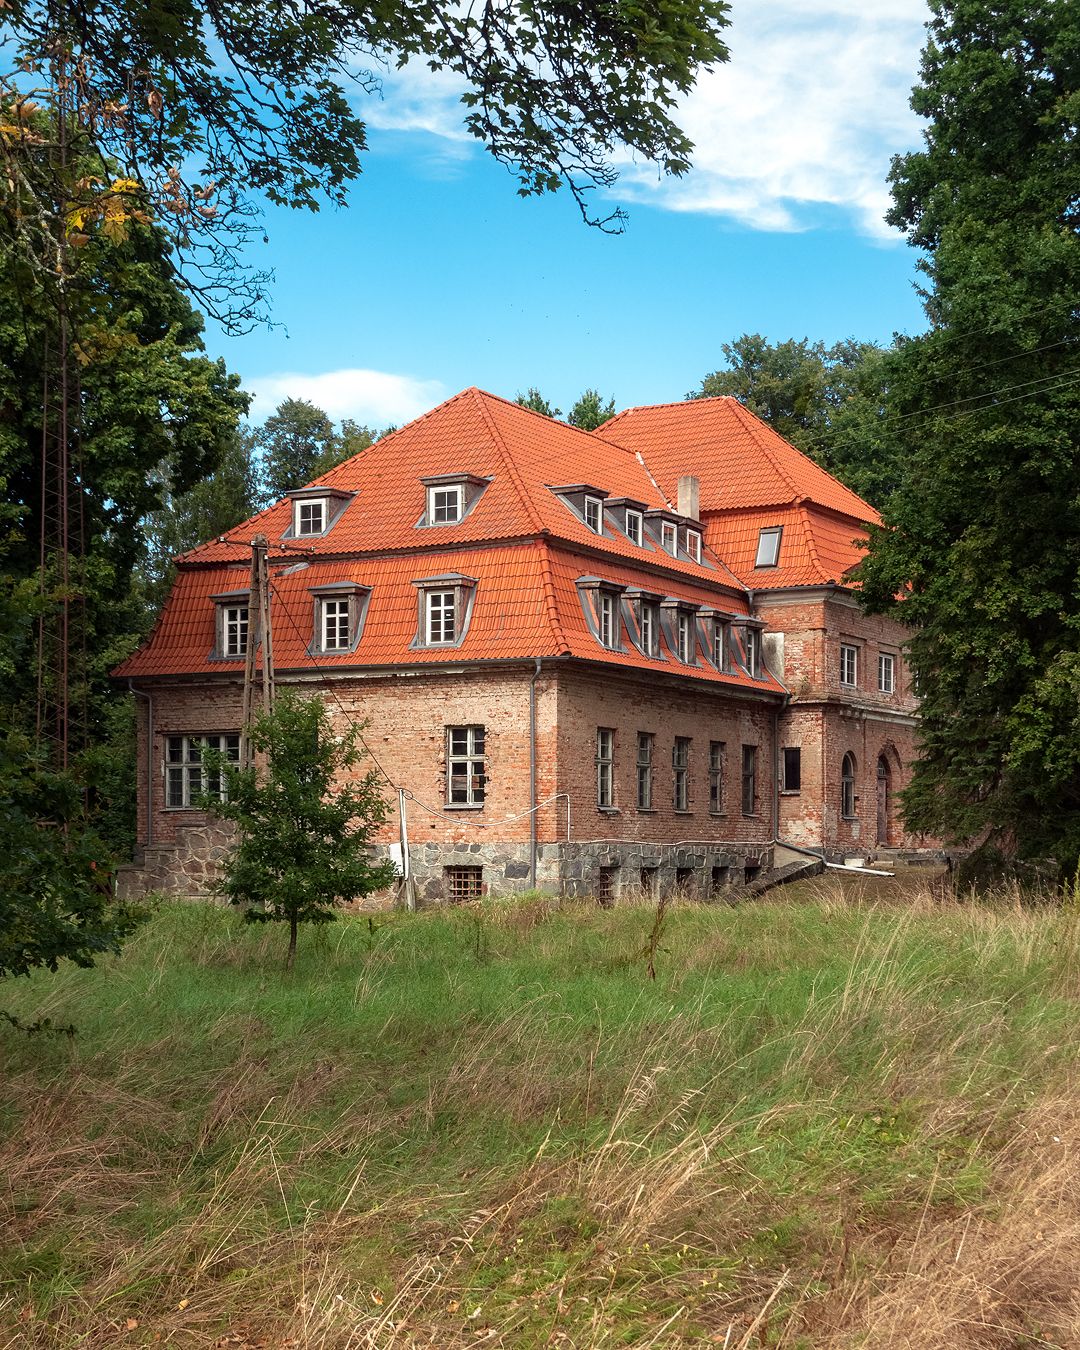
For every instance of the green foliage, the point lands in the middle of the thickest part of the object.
(534, 399)
(298, 443)
(56, 882)
(210, 109)
(828, 401)
(305, 821)
(982, 554)
(590, 411)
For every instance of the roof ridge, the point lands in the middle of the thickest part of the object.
(673, 403)
(753, 425)
(512, 473)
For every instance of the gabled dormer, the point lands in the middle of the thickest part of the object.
(663, 528)
(586, 502)
(315, 511)
(627, 515)
(450, 497)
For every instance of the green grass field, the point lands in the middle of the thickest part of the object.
(837, 1117)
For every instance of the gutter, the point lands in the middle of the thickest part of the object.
(139, 693)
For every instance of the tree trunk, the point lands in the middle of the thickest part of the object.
(292, 943)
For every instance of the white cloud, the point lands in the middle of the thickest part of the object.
(372, 396)
(806, 114)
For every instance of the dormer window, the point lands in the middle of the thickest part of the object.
(634, 527)
(693, 545)
(309, 516)
(650, 628)
(719, 644)
(669, 538)
(768, 547)
(445, 504)
(680, 623)
(602, 607)
(594, 514)
(586, 502)
(450, 497)
(445, 609)
(232, 626)
(339, 616)
(684, 636)
(753, 651)
(606, 618)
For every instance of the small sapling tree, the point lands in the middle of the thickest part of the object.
(304, 834)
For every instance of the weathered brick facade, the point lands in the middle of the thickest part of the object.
(611, 761)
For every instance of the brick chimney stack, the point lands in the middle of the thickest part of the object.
(689, 491)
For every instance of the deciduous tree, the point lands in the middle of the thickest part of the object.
(590, 411)
(981, 554)
(305, 820)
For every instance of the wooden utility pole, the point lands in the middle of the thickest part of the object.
(258, 676)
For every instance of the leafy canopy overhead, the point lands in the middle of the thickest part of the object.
(206, 109)
(982, 552)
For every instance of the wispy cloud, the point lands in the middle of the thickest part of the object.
(376, 397)
(805, 115)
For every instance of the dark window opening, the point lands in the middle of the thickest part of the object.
(464, 884)
(605, 887)
(792, 769)
(648, 882)
(750, 871)
(720, 879)
(749, 779)
(684, 878)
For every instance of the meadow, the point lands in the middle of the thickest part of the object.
(844, 1115)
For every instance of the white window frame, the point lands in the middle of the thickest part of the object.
(753, 651)
(693, 545)
(466, 748)
(635, 527)
(669, 537)
(684, 636)
(605, 768)
(645, 770)
(334, 635)
(235, 632)
(650, 627)
(607, 619)
(680, 773)
(593, 514)
(719, 643)
(304, 516)
(768, 546)
(183, 766)
(886, 673)
(435, 612)
(454, 499)
(849, 665)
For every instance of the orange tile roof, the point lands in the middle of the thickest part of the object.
(750, 478)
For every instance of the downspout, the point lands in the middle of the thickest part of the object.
(149, 759)
(532, 774)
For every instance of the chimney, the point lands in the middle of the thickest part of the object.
(689, 487)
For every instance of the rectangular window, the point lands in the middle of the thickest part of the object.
(634, 526)
(649, 628)
(719, 644)
(336, 625)
(791, 765)
(441, 617)
(684, 636)
(234, 623)
(466, 781)
(445, 505)
(849, 664)
(605, 767)
(886, 673)
(185, 779)
(311, 516)
(753, 651)
(680, 766)
(464, 884)
(644, 770)
(716, 777)
(669, 538)
(693, 544)
(768, 546)
(749, 779)
(606, 618)
(594, 514)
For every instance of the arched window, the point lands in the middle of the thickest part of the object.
(847, 787)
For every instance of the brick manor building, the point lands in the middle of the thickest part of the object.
(594, 662)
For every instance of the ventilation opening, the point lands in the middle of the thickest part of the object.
(721, 877)
(750, 871)
(464, 884)
(684, 878)
(648, 882)
(605, 887)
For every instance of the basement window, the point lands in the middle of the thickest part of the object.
(768, 546)
(463, 884)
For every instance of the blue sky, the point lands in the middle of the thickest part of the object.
(439, 276)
